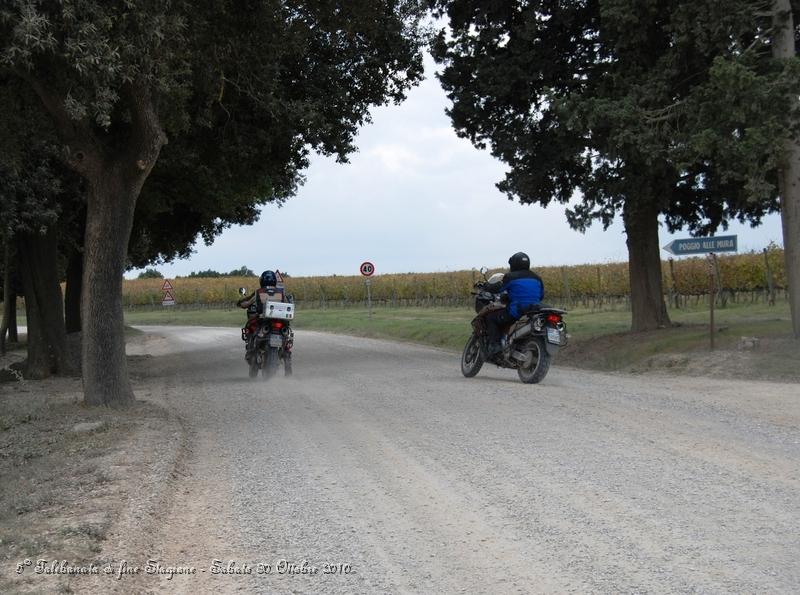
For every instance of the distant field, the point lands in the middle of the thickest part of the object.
(599, 340)
(586, 284)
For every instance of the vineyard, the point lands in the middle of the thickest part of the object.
(751, 274)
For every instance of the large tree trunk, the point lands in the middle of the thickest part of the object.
(13, 334)
(38, 364)
(648, 310)
(114, 185)
(72, 307)
(109, 218)
(47, 337)
(115, 167)
(72, 292)
(9, 299)
(783, 47)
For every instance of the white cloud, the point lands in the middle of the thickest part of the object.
(395, 158)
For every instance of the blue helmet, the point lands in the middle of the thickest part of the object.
(268, 279)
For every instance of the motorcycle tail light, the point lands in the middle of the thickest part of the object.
(554, 318)
(277, 325)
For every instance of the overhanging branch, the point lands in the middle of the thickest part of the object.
(81, 145)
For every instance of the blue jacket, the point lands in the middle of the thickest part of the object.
(524, 288)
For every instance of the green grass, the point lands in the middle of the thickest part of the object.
(449, 327)
(204, 317)
(599, 339)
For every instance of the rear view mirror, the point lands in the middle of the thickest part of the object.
(243, 291)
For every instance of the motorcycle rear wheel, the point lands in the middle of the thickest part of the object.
(535, 372)
(252, 363)
(271, 361)
(472, 358)
(287, 364)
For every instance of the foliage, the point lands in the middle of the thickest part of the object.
(33, 183)
(212, 274)
(242, 272)
(207, 274)
(267, 83)
(150, 274)
(626, 101)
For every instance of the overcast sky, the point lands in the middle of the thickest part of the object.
(415, 198)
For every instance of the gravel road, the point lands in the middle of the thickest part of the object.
(380, 461)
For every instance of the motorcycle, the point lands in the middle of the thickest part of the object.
(528, 344)
(268, 335)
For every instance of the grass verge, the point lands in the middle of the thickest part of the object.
(599, 340)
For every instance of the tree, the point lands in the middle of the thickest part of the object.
(150, 274)
(784, 35)
(584, 101)
(207, 274)
(264, 82)
(37, 196)
(242, 272)
(8, 327)
(30, 192)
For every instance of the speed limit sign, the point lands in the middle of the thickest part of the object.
(367, 269)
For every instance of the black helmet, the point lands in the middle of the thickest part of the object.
(519, 262)
(268, 279)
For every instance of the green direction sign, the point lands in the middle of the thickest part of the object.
(690, 246)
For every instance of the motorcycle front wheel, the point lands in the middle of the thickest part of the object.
(472, 358)
(535, 369)
(270, 363)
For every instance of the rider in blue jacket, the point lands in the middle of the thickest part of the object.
(523, 287)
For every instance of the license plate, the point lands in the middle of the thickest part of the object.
(554, 336)
(275, 341)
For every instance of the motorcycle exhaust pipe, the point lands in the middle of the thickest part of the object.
(521, 332)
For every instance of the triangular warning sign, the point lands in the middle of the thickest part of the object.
(168, 298)
(167, 286)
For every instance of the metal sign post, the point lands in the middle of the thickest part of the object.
(710, 246)
(368, 269)
(168, 299)
(368, 282)
(712, 293)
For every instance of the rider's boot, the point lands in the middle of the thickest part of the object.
(493, 349)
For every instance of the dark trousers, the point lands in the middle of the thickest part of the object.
(495, 323)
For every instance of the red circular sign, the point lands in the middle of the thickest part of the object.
(367, 269)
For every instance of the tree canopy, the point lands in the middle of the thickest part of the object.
(150, 274)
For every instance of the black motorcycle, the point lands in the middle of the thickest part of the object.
(268, 335)
(528, 345)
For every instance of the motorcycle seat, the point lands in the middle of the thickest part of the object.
(535, 308)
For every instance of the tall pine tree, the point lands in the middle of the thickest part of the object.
(596, 104)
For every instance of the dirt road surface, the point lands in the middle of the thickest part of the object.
(379, 468)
